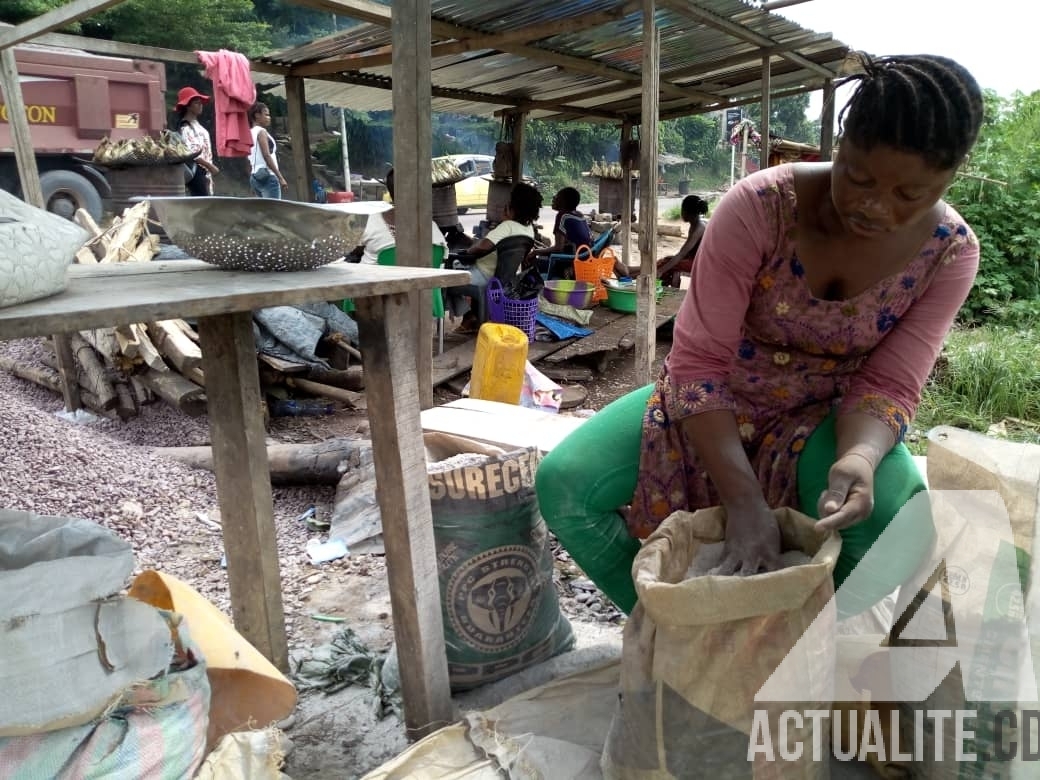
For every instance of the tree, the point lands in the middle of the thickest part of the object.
(998, 193)
(787, 118)
(188, 25)
(292, 25)
(18, 11)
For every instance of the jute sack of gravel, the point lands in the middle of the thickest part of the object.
(697, 650)
(500, 607)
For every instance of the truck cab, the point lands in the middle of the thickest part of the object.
(72, 100)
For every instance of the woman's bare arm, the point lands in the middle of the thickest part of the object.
(265, 150)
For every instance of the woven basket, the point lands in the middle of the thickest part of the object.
(510, 311)
(595, 270)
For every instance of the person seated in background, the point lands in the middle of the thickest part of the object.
(570, 230)
(671, 268)
(481, 259)
(457, 238)
(381, 232)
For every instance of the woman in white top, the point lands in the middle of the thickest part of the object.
(199, 174)
(380, 232)
(525, 202)
(265, 179)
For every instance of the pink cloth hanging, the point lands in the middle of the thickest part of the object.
(233, 95)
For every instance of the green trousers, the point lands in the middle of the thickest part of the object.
(590, 474)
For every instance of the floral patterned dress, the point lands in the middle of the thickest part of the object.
(752, 338)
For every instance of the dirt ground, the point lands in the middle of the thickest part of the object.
(114, 473)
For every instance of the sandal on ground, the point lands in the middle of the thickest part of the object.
(468, 326)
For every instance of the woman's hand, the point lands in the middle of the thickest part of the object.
(752, 542)
(849, 497)
(282, 181)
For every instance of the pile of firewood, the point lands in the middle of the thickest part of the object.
(119, 370)
(127, 239)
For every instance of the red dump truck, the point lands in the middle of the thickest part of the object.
(72, 100)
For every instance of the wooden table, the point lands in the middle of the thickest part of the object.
(222, 301)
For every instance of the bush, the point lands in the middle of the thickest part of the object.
(985, 376)
(999, 196)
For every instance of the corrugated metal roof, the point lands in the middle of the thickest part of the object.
(563, 59)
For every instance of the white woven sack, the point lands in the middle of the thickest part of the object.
(36, 249)
(70, 647)
(51, 564)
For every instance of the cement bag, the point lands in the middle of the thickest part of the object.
(246, 690)
(552, 732)
(155, 730)
(247, 755)
(70, 648)
(697, 651)
(960, 643)
(964, 460)
(500, 608)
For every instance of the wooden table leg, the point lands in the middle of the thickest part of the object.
(389, 344)
(243, 485)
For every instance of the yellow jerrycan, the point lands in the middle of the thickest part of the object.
(498, 364)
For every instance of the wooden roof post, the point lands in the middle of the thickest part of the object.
(32, 193)
(763, 154)
(24, 155)
(827, 121)
(413, 148)
(296, 105)
(646, 316)
(515, 121)
(408, 529)
(626, 194)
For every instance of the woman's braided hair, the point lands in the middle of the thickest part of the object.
(921, 104)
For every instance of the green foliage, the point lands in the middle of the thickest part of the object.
(188, 25)
(293, 25)
(998, 193)
(557, 153)
(369, 142)
(18, 11)
(787, 119)
(985, 376)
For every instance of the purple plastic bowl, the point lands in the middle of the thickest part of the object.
(568, 292)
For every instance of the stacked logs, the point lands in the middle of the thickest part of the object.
(122, 369)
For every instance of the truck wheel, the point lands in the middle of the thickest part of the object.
(66, 191)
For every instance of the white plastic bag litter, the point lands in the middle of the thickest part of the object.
(538, 392)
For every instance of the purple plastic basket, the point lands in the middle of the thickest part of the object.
(509, 311)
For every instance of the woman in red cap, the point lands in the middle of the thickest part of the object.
(188, 109)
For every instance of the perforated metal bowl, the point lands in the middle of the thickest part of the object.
(259, 234)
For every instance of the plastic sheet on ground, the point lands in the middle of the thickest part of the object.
(580, 316)
(247, 755)
(553, 731)
(293, 332)
(561, 329)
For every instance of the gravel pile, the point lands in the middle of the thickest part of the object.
(107, 471)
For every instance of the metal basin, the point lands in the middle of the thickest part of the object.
(259, 234)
